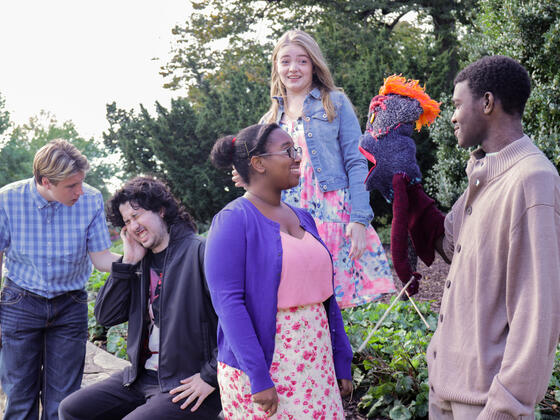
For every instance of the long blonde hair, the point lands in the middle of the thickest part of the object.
(322, 77)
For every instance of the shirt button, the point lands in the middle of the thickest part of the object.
(314, 152)
(458, 248)
(318, 169)
(324, 188)
(469, 210)
(440, 317)
(448, 284)
(309, 134)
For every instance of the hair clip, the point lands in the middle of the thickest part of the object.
(233, 140)
(247, 150)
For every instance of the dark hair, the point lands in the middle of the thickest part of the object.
(150, 194)
(503, 76)
(249, 142)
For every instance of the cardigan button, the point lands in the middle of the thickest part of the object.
(324, 188)
(325, 115)
(306, 118)
(477, 183)
(448, 284)
(469, 210)
(309, 134)
(440, 317)
(314, 152)
(318, 169)
(458, 248)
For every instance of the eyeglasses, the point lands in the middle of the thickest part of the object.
(293, 152)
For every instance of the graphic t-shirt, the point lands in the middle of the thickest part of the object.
(156, 279)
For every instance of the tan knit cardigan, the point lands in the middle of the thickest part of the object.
(500, 314)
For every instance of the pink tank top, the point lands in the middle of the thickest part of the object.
(306, 272)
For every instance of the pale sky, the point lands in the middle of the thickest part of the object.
(72, 57)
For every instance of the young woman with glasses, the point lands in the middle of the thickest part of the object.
(321, 120)
(281, 342)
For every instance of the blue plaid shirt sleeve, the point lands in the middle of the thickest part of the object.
(98, 234)
(4, 231)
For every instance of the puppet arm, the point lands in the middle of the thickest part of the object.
(425, 223)
(399, 234)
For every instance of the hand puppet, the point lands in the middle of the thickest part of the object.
(388, 145)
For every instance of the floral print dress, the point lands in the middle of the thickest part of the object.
(356, 282)
(302, 370)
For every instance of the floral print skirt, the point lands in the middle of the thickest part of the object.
(302, 370)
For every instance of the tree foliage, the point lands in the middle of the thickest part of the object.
(16, 155)
(168, 146)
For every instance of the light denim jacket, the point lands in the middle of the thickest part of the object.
(333, 148)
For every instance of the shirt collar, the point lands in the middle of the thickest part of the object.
(505, 158)
(41, 201)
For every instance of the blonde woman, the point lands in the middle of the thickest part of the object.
(321, 120)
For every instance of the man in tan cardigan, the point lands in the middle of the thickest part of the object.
(492, 354)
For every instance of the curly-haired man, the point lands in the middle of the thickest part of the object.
(159, 287)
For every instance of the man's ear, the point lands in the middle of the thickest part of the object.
(488, 103)
(257, 164)
(46, 183)
(161, 212)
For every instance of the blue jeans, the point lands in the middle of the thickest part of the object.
(43, 350)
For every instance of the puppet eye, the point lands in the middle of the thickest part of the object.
(372, 118)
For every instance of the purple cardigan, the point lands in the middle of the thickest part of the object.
(243, 263)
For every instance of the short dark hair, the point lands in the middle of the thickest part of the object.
(237, 150)
(503, 76)
(150, 194)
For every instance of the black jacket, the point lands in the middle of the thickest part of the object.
(188, 323)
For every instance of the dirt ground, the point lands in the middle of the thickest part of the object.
(431, 289)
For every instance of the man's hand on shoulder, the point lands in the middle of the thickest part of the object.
(193, 388)
(132, 249)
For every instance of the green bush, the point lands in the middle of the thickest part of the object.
(446, 180)
(391, 374)
(113, 338)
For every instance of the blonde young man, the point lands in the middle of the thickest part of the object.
(52, 227)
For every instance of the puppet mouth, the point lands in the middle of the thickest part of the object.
(372, 159)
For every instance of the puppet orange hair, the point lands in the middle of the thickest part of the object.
(399, 85)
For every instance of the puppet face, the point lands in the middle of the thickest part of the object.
(387, 142)
(388, 111)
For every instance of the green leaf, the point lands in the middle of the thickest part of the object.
(400, 412)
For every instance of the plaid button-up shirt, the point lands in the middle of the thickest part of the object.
(46, 244)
